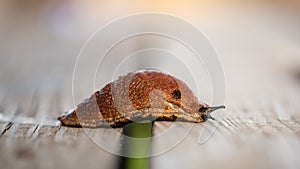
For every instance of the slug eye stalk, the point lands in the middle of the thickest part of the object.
(212, 109)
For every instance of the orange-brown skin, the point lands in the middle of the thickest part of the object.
(139, 96)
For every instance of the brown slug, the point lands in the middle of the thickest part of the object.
(139, 96)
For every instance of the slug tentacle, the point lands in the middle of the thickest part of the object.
(212, 109)
(139, 96)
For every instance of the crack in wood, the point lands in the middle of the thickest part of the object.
(35, 129)
(7, 127)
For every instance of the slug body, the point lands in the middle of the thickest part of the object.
(139, 96)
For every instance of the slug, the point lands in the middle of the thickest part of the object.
(139, 96)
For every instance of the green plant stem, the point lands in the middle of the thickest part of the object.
(136, 148)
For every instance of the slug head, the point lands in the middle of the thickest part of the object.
(168, 95)
(183, 100)
(205, 112)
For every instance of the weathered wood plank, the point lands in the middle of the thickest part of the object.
(237, 148)
(30, 144)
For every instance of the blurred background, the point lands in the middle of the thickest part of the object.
(258, 43)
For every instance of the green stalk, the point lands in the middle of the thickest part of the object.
(137, 147)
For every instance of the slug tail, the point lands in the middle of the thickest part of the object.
(69, 118)
(85, 114)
